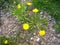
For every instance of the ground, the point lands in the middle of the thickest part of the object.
(10, 26)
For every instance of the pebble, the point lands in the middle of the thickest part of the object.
(31, 38)
(41, 13)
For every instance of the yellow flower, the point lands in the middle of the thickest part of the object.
(6, 42)
(29, 3)
(25, 26)
(18, 6)
(42, 32)
(35, 10)
(14, 2)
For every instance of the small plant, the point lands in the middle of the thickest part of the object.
(29, 22)
(7, 41)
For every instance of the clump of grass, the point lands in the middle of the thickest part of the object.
(51, 6)
(8, 41)
(19, 11)
(30, 24)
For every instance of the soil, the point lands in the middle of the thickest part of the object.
(9, 25)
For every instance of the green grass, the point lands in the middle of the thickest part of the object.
(50, 6)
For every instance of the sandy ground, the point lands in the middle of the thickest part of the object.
(9, 26)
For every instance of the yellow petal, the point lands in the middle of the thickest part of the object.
(29, 3)
(6, 42)
(25, 26)
(18, 6)
(14, 2)
(42, 32)
(35, 10)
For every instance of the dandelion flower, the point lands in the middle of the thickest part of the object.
(18, 6)
(6, 42)
(25, 26)
(14, 2)
(42, 32)
(35, 10)
(29, 3)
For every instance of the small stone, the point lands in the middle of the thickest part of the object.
(58, 35)
(38, 39)
(27, 40)
(9, 29)
(41, 13)
(31, 38)
(34, 33)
